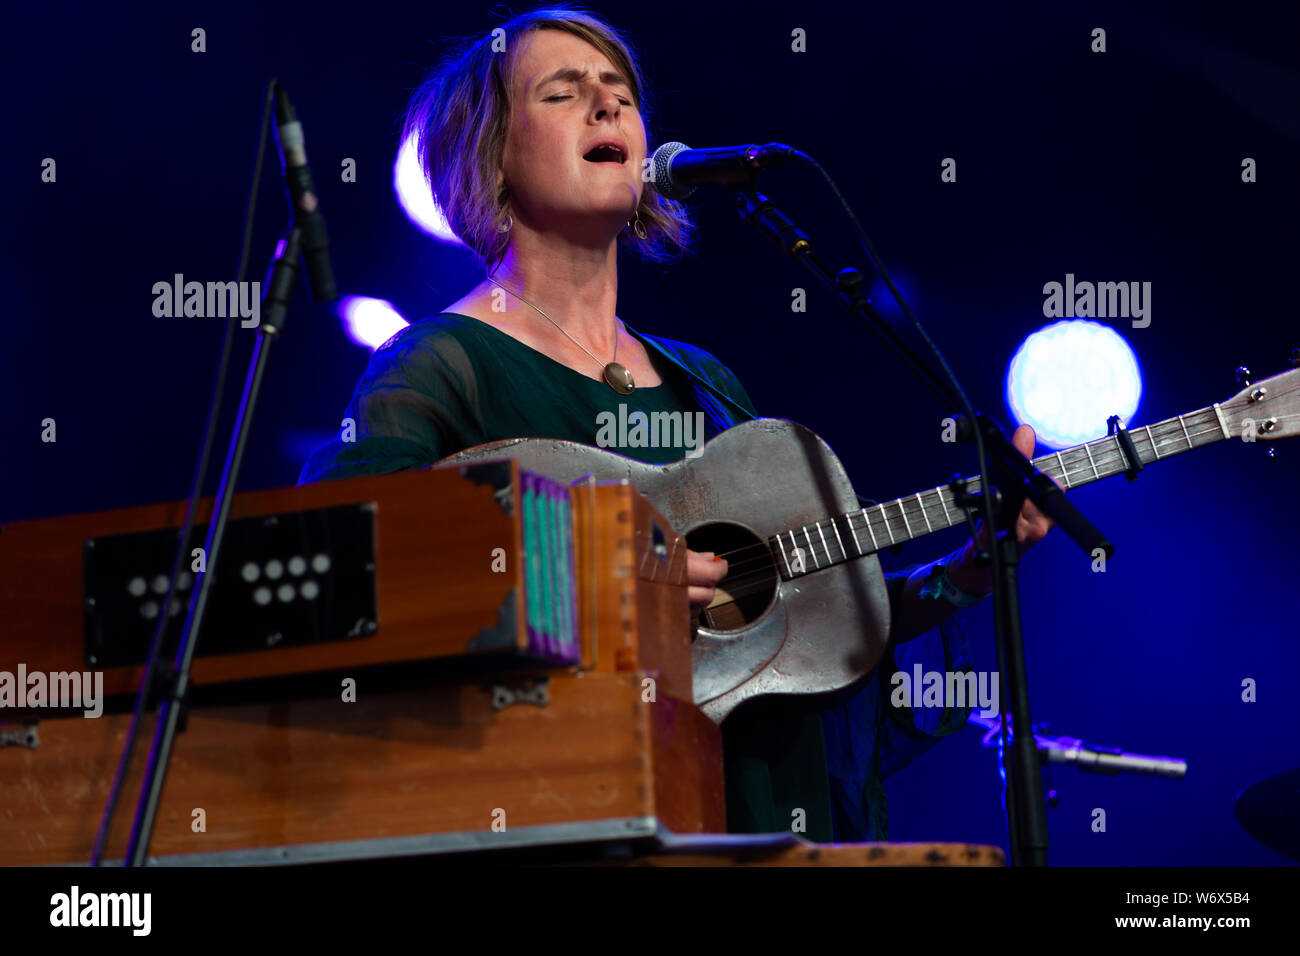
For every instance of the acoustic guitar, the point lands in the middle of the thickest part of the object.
(803, 608)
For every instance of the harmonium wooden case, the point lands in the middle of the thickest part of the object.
(430, 661)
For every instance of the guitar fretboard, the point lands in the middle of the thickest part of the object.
(868, 530)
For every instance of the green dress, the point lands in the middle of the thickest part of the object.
(450, 382)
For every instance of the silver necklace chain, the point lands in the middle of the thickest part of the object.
(560, 327)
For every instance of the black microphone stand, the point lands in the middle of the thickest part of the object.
(281, 280)
(1019, 479)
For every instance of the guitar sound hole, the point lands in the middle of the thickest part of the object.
(750, 585)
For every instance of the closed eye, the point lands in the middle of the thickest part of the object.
(564, 96)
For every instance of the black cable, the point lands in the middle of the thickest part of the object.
(966, 408)
(879, 265)
(142, 701)
(986, 499)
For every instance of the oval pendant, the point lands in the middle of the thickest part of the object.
(619, 379)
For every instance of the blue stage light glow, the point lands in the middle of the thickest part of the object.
(370, 322)
(1069, 377)
(414, 195)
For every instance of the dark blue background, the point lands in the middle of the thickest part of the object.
(1119, 166)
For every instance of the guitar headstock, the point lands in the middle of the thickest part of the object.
(1265, 410)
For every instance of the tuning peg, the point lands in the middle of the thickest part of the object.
(1243, 379)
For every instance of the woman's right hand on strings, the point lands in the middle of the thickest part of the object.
(703, 572)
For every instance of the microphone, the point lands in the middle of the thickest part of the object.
(1090, 757)
(1111, 759)
(302, 199)
(677, 169)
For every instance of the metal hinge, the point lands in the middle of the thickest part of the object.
(538, 693)
(24, 736)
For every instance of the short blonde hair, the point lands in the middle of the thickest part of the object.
(460, 115)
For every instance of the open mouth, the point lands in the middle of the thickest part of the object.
(607, 153)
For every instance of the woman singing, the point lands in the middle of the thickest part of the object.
(533, 141)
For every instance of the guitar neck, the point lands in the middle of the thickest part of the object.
(827, 542)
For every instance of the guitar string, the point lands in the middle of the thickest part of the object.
(742, 570)
(1176, 432)
(746, 579)
(1102, 459)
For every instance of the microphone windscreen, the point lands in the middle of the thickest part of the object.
(660, 177)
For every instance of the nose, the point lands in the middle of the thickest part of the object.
(607, 105)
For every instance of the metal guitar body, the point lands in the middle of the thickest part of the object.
(815, 633)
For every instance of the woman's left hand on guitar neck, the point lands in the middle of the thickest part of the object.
(919, 615)
(1031, 526)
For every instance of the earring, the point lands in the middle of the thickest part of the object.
(507, 225)
(636, 225)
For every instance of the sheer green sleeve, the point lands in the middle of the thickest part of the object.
(417, 402)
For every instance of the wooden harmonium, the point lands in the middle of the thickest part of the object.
(484, 565)
(500, 630)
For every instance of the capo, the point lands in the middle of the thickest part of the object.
(1133, 464)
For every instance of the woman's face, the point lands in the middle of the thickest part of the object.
(568, 98)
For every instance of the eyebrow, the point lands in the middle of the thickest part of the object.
(609, 77)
